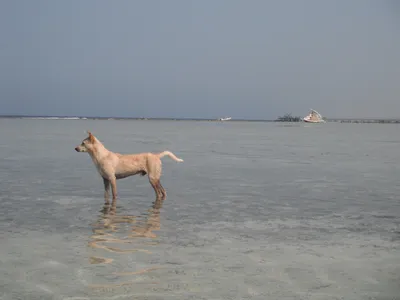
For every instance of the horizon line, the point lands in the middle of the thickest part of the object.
(179, 118)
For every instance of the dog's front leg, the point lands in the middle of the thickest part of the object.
(113, 182)
(106, 190)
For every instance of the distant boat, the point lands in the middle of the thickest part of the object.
(225, 119)
(313, 117)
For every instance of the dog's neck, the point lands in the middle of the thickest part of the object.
(98, 151)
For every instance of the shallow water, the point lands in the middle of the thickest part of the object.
(256, 211)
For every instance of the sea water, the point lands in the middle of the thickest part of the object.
(256, 211)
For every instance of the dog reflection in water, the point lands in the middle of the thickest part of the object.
(110, 225)
(114, 233)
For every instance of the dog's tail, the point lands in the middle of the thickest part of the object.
(170, 154)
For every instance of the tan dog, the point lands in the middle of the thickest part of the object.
(113, 166)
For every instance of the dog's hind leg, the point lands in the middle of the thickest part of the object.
(106, 190)
(158, 189)
(154, 172)
(162, 191)
(154, 184)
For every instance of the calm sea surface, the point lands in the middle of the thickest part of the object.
(256, 211)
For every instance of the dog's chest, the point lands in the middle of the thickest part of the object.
(101, 168)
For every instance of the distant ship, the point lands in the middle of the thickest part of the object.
(225, 119)
(313, 117)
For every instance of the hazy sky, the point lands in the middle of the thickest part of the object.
(203, 58)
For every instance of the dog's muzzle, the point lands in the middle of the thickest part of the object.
(77, 149)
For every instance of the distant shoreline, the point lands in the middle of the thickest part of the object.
(336, 120)
(126, 118)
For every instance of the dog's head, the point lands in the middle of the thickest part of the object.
(87, 144)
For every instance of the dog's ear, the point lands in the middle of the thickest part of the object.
(91, 137)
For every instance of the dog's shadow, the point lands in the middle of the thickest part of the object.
(114, 232)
